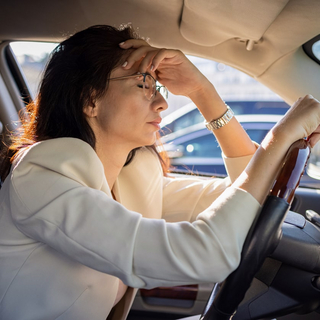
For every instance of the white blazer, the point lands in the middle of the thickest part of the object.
(64, 241)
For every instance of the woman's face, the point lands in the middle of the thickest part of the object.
(124, 116)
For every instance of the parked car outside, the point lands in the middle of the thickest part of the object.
(189, 114)
(196, 149)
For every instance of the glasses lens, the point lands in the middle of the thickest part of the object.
(163, 90)
(149, 86)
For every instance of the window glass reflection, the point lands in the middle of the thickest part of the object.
(316, 49)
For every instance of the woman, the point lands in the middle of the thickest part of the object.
(83, 198)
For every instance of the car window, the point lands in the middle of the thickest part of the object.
(316, 49)
(257, 135)
(187, 120)
(32, 58)
(206, 146)
(312, 48)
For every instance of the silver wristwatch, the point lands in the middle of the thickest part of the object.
(220, 122)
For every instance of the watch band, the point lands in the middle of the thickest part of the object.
(220, 122)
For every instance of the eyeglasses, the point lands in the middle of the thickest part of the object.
(149, 84)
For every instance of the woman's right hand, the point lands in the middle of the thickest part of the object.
(302, 120)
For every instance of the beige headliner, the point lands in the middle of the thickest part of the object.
(216, 29)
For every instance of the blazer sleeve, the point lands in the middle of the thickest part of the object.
(235, 166)
(57, 198)
(185, 198)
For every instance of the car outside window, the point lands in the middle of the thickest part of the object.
(200, 152)
(205, 146)
(187, 120)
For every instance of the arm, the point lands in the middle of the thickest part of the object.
(184, 198)
(145, 190)
(232, 138)
(236, 165)
(181, 77)
(302, 120)
(68, 208)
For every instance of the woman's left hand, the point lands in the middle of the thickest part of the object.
(173, 69)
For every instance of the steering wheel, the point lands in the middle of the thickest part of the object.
(263, 237)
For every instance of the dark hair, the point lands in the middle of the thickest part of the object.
(77, 73)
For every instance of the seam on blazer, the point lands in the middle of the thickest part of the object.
(59, 316)
(40, 244)
(49, 222)
(80, 245)
(169, 281)
(20, 199)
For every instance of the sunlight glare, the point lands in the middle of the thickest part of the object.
(38, 50)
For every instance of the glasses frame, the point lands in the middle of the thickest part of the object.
(157, 88)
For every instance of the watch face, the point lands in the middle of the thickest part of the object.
(220, 122)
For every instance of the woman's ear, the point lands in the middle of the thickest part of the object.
(90, 110)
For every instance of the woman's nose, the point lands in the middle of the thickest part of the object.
(160, 103)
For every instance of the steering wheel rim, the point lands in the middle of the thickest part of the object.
(263, 237)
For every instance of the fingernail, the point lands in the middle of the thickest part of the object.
(152, 67)
(121, 43)
(125, 64)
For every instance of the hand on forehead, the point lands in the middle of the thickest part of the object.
(136, 67)
(141, 58)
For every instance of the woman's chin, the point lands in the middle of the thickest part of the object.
(148, 140)
(151, 140)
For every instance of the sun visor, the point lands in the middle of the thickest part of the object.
(209, 23)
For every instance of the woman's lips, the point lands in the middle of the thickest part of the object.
(156, 123)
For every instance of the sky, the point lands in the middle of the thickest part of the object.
(36, 49)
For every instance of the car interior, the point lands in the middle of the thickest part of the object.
(271, 41)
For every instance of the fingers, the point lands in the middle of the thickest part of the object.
(144, 55)
(143, 51)
(307, 99)
(309, 116)
(313, 139)
(302, 120)
(147, 61)
(163, 54)
(133, 43)
(154, 58)
(149, 57)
